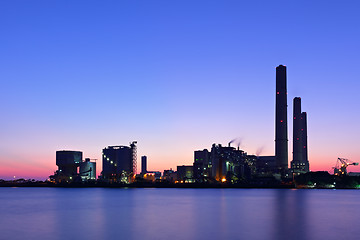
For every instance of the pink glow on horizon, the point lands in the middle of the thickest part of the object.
(42, 172)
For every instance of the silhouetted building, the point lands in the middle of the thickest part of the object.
(229, 163)
(201, 165)
(185, 173)
(266, 165)
(143, 164)
(87, 170)
(152, 176)
(170, 176)
(68, 163)
(281, 135)
(118, 163)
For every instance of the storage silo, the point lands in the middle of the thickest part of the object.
(87, 170)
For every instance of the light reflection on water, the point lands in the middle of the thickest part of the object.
(56, 213)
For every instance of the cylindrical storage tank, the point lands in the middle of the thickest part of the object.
(87, 170)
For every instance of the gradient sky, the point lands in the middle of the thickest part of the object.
(176, 76)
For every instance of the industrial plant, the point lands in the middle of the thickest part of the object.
(119, 163)
(72, 167)
(219, 165)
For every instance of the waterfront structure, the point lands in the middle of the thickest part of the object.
(149, 177)
(300, 163)
(87, 170)
(229, 163)
(201, 165)
(266, 165)
(143, 164)
(185, 173)
(152, 175)
(68, 163)
(118, 163)
(281, 134)
(169, 176)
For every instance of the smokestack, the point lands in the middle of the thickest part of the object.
(304, 140)
(297, 132)
(281, 138)
(143, 164)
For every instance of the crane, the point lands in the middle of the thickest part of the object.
(341, 165)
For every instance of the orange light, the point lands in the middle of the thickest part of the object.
(223, 179)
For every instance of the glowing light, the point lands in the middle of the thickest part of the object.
(223, 179)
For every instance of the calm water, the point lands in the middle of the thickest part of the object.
(54, 213)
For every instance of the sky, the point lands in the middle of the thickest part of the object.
(176, 76)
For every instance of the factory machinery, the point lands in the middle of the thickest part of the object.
(341, 165)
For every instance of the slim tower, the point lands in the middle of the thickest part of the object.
(304, 141)
(281, 140)
(143, 164)
(297, 131)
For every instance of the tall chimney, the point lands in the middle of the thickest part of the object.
(297, 132)
(304, 140)
(281, 138)
(143, 164)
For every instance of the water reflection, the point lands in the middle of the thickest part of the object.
(277, 214)
(290, 215)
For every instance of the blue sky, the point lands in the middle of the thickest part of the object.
(176, 76)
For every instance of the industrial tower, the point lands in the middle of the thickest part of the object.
(281, 135)
(300, 163)
(297, 133)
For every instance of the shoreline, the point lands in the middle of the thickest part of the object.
(164, 185)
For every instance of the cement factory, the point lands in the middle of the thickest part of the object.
(222, 164)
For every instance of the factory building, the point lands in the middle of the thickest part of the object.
(266, 165)
(87, 170)
(231, 163)
(152, 176)
(185, 173)
(223, 164)
(169, 176)
(119, 163)
(201, 166)
(281, 133)
(71, 167)
(68, 163)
